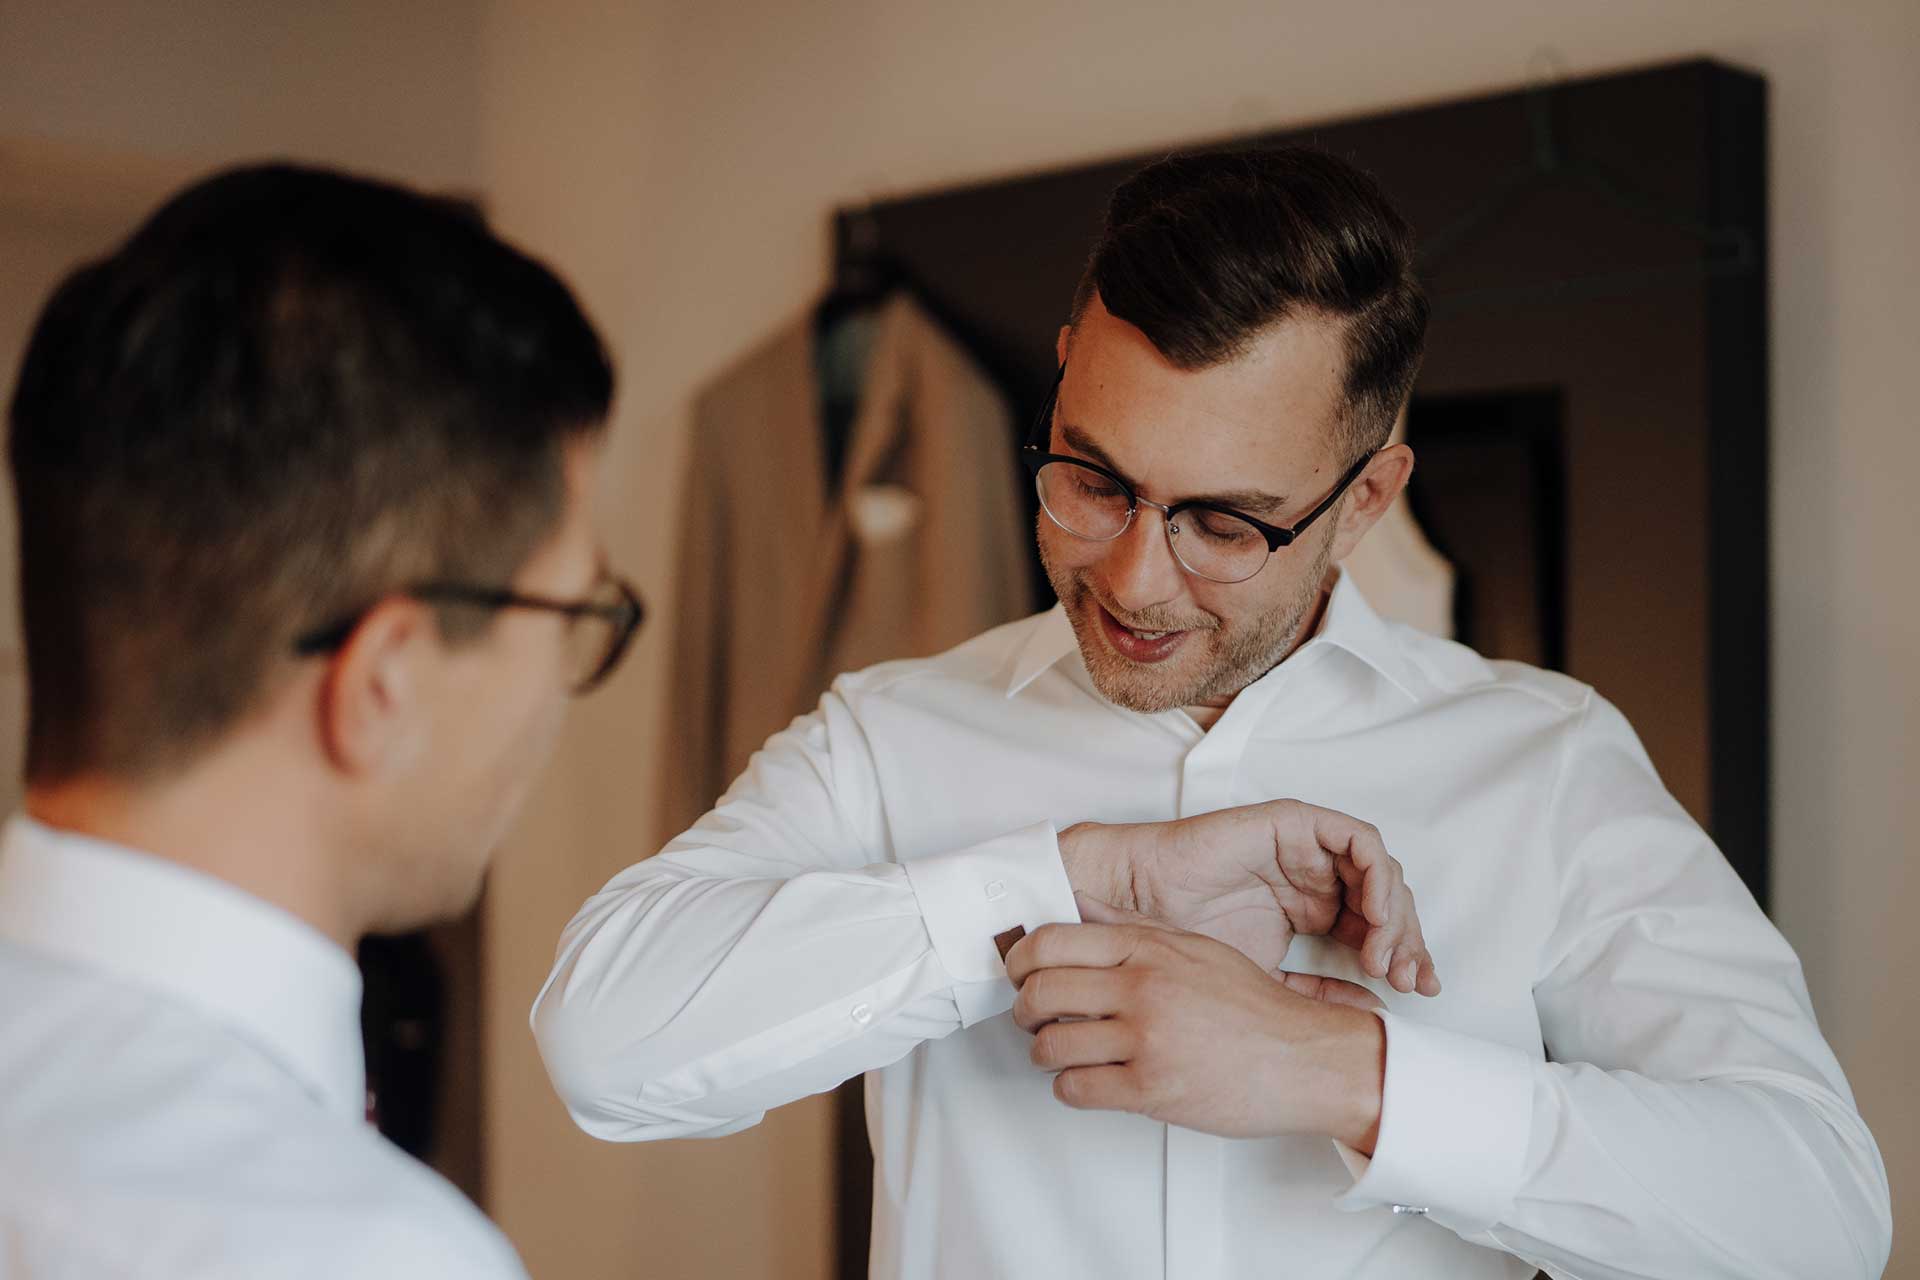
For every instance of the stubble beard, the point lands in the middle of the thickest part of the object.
(1231, 657)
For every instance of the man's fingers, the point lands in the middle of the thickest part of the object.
(1078, 946)
(1393, 949)
(1376, 954)
(1412, 963)
(1408, 959)
(1058, 1046)
(1331, 990)
(1108, 1088)
(1304, 858)
(1380, 894)
(1350, 929)
(1360, 844)
(1429, 983)
(1049, 994)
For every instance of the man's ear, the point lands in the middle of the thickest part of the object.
(1060, 346)
(371, 719)
(1369, 497)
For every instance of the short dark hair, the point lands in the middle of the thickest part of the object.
(1204, 252)
(290, 393)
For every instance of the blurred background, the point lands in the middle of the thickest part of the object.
(682, 164)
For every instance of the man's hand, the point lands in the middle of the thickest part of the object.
(1254, 876)
(1189, 1031)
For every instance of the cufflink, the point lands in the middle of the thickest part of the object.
(1003, 942)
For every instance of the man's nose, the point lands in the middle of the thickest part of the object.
(1139, 567)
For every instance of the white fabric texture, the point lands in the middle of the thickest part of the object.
(183, 1092)
(1622, 1078)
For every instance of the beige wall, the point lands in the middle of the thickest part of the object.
(379, 86)
(680, 159)
(107, 105)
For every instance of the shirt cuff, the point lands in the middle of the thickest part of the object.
(1456, 1114)
(968, 895)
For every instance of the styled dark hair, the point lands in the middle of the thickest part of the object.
(291, 393)
(1204, 252)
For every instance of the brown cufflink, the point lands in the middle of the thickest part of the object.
(1003, 942)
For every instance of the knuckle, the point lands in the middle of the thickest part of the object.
(1148, 1081)
(1038, 989)
(1147, 987)
(1046, 1046)
(1042, 942)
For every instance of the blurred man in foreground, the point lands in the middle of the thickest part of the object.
(309, 570)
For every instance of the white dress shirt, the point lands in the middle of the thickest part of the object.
(1623, 1077)
(183, 1091)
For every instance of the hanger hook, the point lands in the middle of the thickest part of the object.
(863, 231)
(1547, 71)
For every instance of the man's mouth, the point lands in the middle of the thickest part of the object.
(1135, 644)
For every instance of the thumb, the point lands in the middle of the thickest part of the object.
(1332, 990)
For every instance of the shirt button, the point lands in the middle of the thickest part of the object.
(1415, 1210)
(996, 890)
(862, 1013)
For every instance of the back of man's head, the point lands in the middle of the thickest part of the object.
(1204, 253)
(289, 394)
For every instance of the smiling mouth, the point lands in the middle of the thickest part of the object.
(1143, 632)
(1136, 644)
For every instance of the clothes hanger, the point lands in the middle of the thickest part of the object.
(1724, 250)
(845, 326)
(864, 276)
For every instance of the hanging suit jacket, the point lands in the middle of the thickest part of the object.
(789, 577)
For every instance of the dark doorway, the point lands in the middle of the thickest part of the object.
(1489, 489)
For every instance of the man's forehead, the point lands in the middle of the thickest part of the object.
(1253, 501)
(1258, 429)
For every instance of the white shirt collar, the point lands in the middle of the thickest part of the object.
(1349, 623)
(265, 974)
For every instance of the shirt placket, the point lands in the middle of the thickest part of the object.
(1196, 1162)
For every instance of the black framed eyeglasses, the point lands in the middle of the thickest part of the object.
(599, 629)
(1208, 540)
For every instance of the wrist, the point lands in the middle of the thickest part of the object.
(1361, 1058)
(1096, 863)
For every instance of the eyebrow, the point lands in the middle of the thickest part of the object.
(1253, 501)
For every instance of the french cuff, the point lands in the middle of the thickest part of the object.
(1456, 1114)
(968, 895)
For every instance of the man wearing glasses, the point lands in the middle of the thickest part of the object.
(308, 572)
(1622, 1078)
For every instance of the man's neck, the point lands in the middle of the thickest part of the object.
(238, 830)
(1207, 712)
